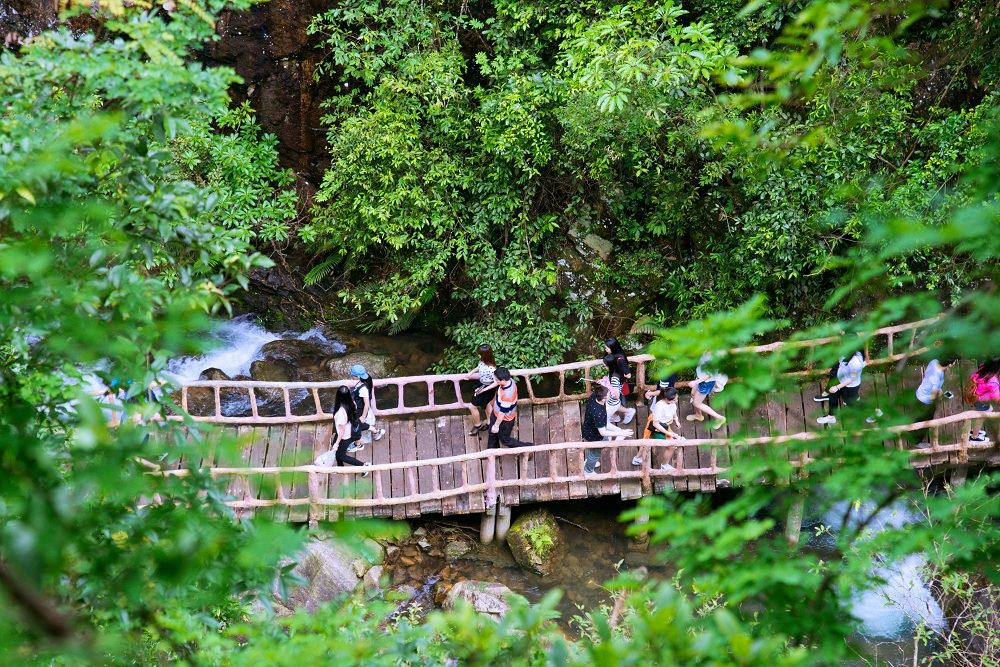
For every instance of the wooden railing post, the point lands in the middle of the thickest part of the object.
(316, 401)
(313, 513)
(217, 392)
(253, 403)
(889, 343)
(184, 398)
(491, 480)
(288, 401)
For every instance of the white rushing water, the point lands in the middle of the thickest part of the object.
(233, 347)
(891, 609)
(235, 344)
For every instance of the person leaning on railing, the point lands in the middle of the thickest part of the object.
(487, 389)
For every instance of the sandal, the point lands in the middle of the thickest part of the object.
(476, 430)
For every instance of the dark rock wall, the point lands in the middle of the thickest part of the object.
(269, 48)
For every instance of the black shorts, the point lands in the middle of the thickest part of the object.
(483, 398)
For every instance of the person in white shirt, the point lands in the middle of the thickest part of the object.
(847, 389)
(706, 383)
(662, 414)
(925, 398)
(363, 393)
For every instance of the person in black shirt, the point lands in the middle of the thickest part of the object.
(596, 428)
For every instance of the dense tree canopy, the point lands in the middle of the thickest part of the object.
(465, 145)
(472, 143)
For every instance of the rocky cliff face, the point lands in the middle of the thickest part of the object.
(269, 48)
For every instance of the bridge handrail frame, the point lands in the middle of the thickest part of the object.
(526, 374)
(491, 486)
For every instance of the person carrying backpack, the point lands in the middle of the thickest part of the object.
(363, 393)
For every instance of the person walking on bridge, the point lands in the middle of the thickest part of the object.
(924, 402)
(847, 390)
(596, 428)
(504, 413)
(982, 391)
(363, 393)
(706, 384)
(662, 414)
(486, 391)
(344, 433)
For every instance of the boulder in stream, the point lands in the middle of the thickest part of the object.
(489, 598)
(536, 541)
(201, 400)
(327, 567)
(377, 365)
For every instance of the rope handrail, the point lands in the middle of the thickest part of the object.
(454, 379)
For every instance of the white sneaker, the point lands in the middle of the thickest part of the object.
(981, 437)
(870, 420)
(597, 465)
(878, 412)
(629, 415)
(328, 459)
(923, 444)
(356, 447)
(637, 460)
(377, 435)
(827, 419)
(366, 473)
(667, 467)
(982, 434)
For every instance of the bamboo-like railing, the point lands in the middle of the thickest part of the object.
(491, 486)
(527, 375)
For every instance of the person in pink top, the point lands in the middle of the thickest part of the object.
(983, 391)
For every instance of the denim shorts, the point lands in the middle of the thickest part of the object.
(982, 406)
(706, 387)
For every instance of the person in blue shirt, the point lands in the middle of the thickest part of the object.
(925, 399)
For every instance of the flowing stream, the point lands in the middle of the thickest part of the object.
(596, 541)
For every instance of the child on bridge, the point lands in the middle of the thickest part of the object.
(504, 413)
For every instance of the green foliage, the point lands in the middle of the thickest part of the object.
(467, 146)
(239, 165)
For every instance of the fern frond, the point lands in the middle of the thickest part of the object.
(321, 270)
(648, 326)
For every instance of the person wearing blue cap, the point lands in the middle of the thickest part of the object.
(364, 398)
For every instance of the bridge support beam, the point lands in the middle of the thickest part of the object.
(487, 525)
(959, 475)
(793, 522)
(503, 521)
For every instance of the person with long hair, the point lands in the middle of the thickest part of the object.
(487, 389)
(344, 417)
(595, 428)
(616, 383)
(363, 393)
(983, 390)
(614, 348)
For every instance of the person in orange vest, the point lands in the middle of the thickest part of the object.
(504, 412)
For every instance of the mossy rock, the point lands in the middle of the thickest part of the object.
(536, 541)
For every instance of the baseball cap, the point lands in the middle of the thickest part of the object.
(358, 371)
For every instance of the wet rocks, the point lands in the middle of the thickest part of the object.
(536, 541)
(488, 598)
(377, 365)
(327, 567)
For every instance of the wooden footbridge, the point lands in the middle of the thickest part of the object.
(429, 463)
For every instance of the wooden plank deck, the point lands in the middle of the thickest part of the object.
(423, 437)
